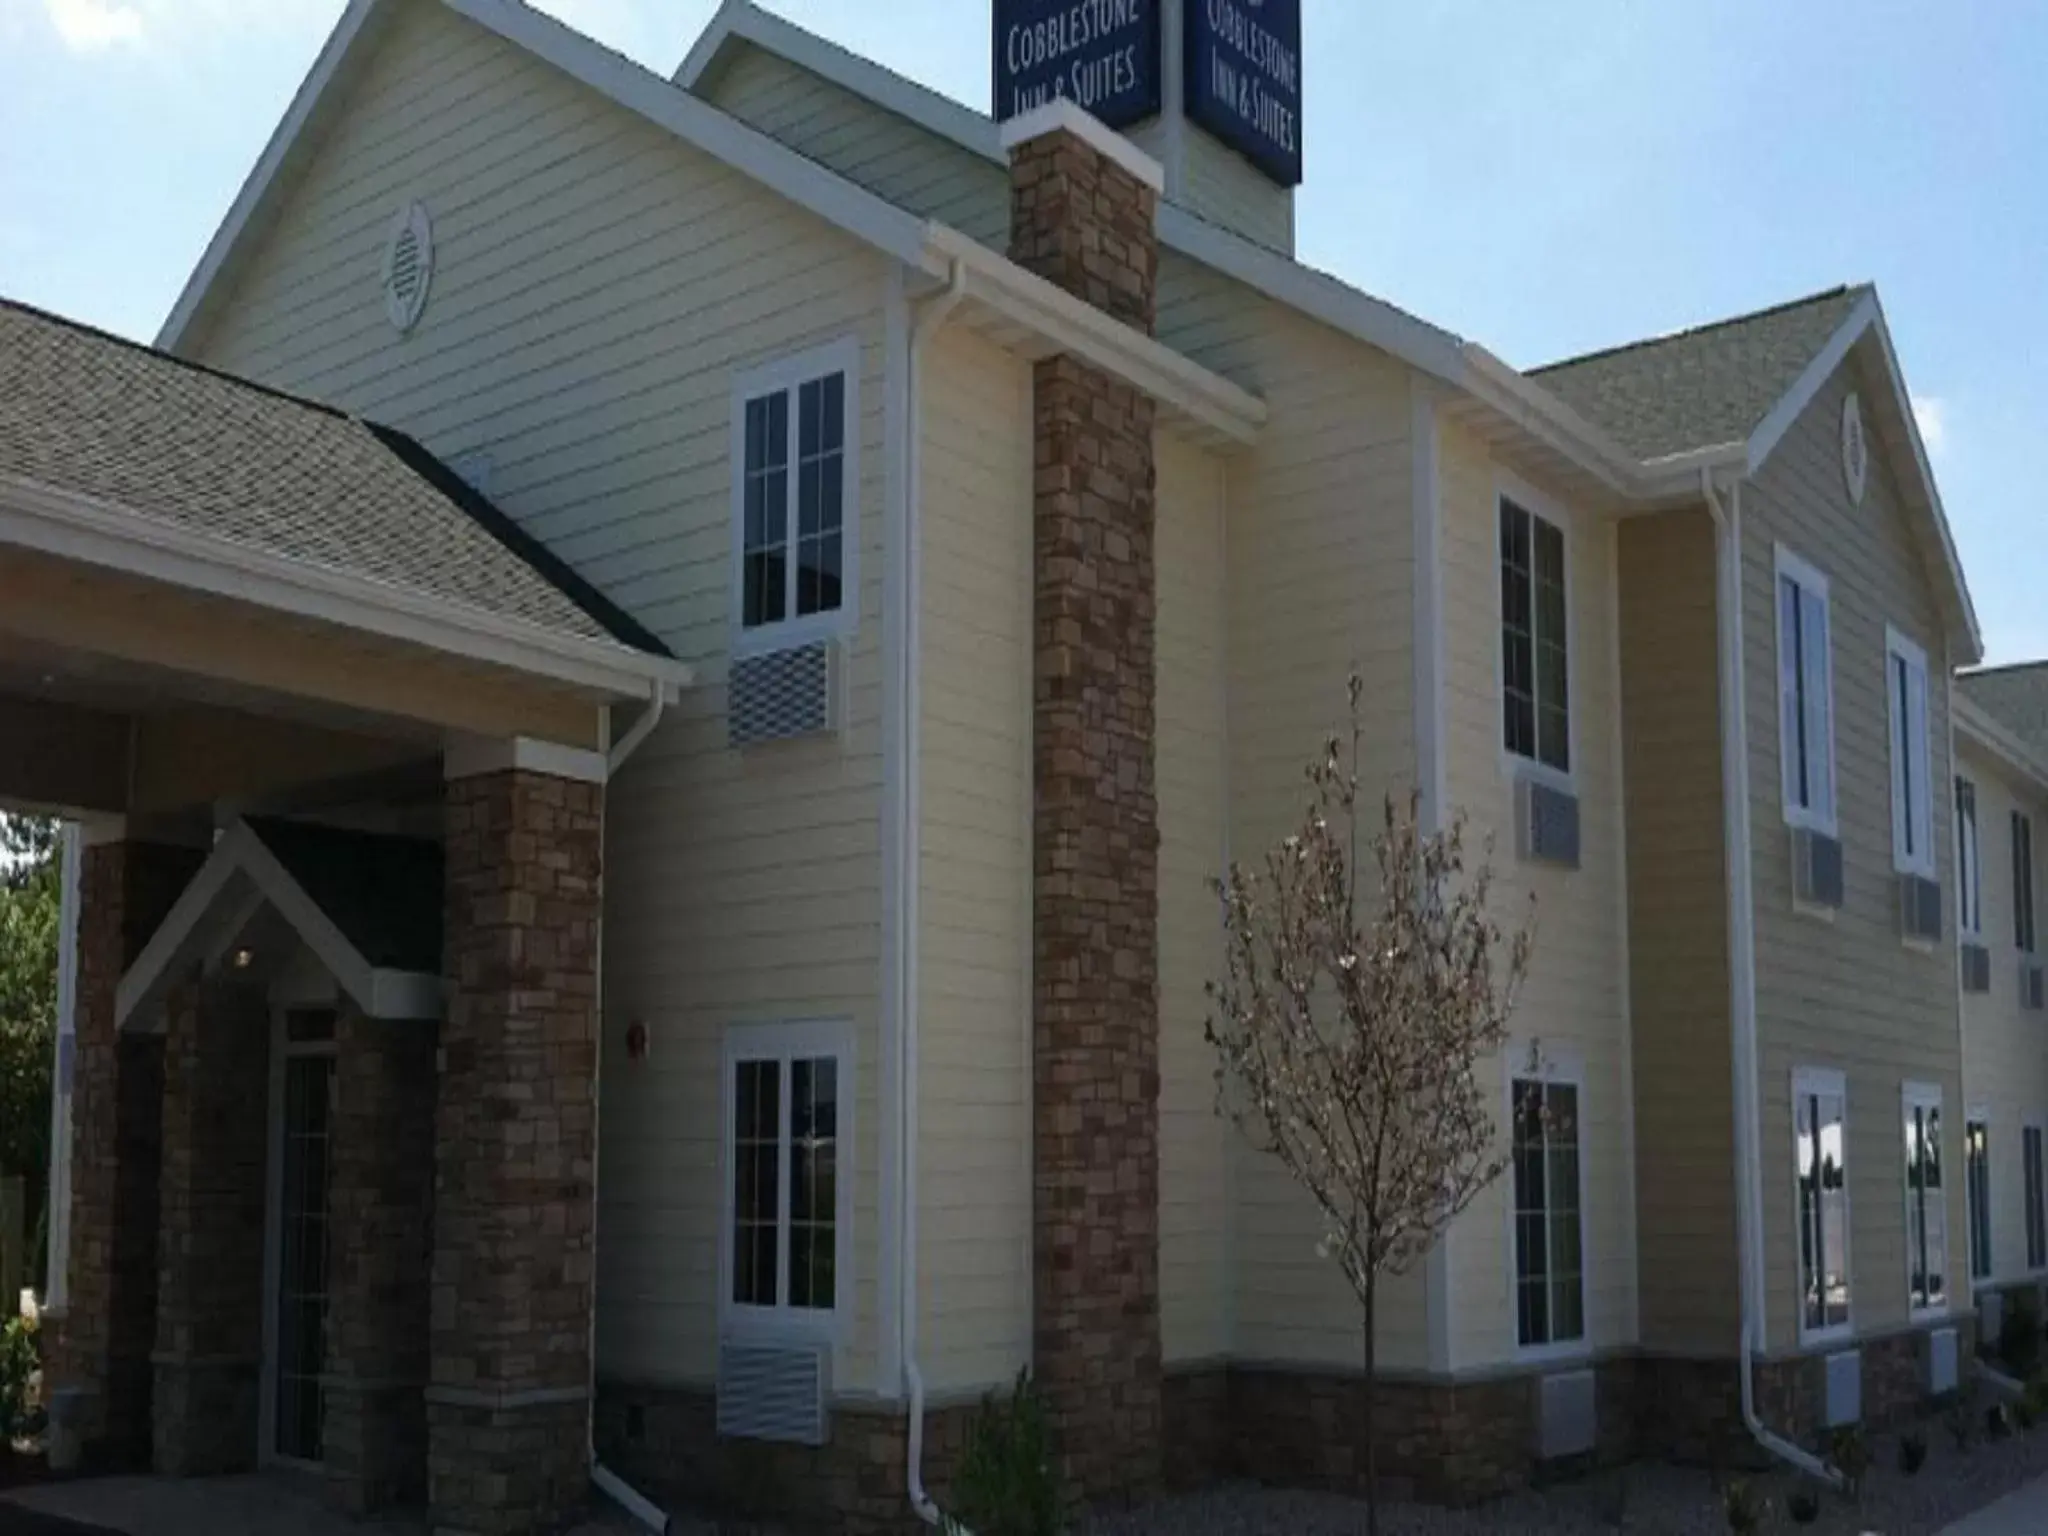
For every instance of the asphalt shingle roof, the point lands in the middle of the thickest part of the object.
(2017, 697)
(87, 412)
(1703, 387)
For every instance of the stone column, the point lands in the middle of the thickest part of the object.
(1082, 209)
(381, 1198)
(515, 1136)
(98, 1351)
(209, 1320)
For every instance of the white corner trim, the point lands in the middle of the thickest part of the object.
(1426, 508)
(73, 526)
(469, 757)
(1065, 115)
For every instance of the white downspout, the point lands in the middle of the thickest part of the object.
(1742, 965)
(606, 1481)
(933, 314)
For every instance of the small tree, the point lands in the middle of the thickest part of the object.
(29, 880)
(1350, 1025)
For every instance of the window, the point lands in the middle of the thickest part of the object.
(1820, 1118)
(2023, 882)
(1535, 670)
(787, 1091)
(1806, 695)
(1977, 1185)
(1912, 770)
(2037, 1211)
(1550, 1304)
(795, 492)
(1969, 867)
(1926, 1214)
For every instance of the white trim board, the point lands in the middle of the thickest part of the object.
(196, 921)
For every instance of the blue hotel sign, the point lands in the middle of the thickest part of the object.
(1103, 54)
(1244, 79)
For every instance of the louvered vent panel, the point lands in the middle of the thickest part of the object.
(1548, 824)
(781, 695)
(2030, 986)
(1976, 968)
(1844, 1391)
(1570, 1422)
(1816, 868)
(1919, 908)
(772, 1392)
(408, 266)
(1943, 1362)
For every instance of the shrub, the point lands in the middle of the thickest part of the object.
(19, 1360)
(1997, 1422)
(1741, 1508)
(1006, 1485)
(1849, 1454)
(2023, 1414)
(2019, 1335)
(1912, 1452)
(1961, 1427)
(1803, 1507)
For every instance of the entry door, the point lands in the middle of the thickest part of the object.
(301, 1236)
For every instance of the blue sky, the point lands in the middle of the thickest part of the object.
(1543, 178)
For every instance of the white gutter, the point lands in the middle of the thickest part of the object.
(606, 1481)
(1747, 1091)
(933, 314)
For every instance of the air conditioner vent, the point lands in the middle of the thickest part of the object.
(1977, 969)
(408, 266)
(773, 1392)
(2030, 982)
(782, 694)
(1920, 909)
(1569, 1416)
(1943, 1362)
(1547, 824)
(1816, 868)
(1843, 1399)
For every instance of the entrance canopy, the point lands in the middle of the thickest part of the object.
(209, 589)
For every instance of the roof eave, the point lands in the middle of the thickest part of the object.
(1977, 724)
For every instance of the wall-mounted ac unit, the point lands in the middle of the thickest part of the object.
(1976, 968)
(1546, 824)
(783, 694)
(773, 1391)
(1568, 1417)
(1919, 909)
(1990, 1320)
(2030, 983)
(1816, 868)
(1944, 1362)
(1842, 1401)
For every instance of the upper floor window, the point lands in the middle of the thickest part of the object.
(787, 1089)
(1820, 1112)
(2037, 1205)
(1912, 764)
(1535, 660)
(1969, 868)
(1806, 695)
(2023, 882)
(795, 494)
(1926, 1204)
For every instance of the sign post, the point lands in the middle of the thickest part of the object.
(1102, 54)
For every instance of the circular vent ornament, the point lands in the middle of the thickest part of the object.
(1855, 450)
(408, 266)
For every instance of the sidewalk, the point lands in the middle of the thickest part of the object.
(2024, 1513)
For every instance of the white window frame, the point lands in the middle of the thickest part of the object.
(1969, 860)
(785, 1042)
(787, 374)
(2030, 908)
(1979, 1115)
(1514, 764)
(1569, 1071)
(1824, 818)
(1809, 1082)
(1927, 1096)
(2034, 1201)
(1910, 810)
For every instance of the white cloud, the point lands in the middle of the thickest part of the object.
(93, 26)
(1931, 412)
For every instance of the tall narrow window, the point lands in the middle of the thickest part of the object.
(1977, 1182)
(2023, 882)
(2036, 1198)
(1820, 1115)
(1535, 660)
(1912, 768)
(1550, 1304)
(1969, 869)
(1806, 711)
(1926, 1210)
(794, 490)
(785, 1090)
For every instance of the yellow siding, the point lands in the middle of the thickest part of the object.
(596, 287)
(974, 1237)
(1195, 1151)
(887, 154)
(2005, 1048)
(1678, 936)
(1575, 1001)
(1847, 994)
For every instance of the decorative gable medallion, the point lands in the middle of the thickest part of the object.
(408, 266)
(1855, 451)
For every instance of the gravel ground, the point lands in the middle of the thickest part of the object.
(1666, 1500)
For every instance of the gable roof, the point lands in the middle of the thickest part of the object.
(2016, 699)
(104, 421)
(1705, 387)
